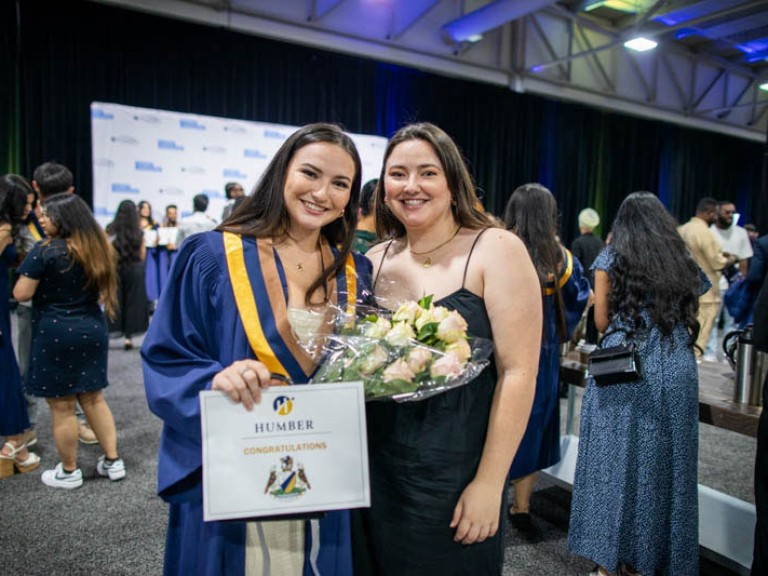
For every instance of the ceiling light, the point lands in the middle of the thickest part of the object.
(474, 38)
(764, 86)
(640, 44)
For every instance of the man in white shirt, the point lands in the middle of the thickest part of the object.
(734, 241)
(199, 221)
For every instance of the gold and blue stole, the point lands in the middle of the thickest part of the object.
(257, 284)
(564, 276)
(35, 229)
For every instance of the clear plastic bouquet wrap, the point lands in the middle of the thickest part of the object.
(418, 351)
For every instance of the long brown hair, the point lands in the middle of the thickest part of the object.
(464, 201)
(531, 213)
(87, 243)
(262, 214)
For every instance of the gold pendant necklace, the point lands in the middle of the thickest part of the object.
(428, 262)
(299, 267)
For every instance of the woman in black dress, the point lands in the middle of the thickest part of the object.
(128, 241)
(439, 466)
(68, 276)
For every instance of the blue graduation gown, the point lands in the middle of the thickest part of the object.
(195, 333)
(540, 446)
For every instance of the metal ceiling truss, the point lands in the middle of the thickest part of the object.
(670, 77)
(536, 46)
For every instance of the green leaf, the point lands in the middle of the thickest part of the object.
(426, 301)
(428, 330)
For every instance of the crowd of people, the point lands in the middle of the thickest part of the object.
(440, 467)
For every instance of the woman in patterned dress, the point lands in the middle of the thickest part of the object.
(68, 276)
(635, 496)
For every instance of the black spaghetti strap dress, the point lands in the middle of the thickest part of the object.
(422, 456)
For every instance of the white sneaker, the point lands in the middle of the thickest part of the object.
(115, 470)
(57, 478)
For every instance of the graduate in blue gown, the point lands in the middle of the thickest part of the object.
(223, 324)
(14, 419)
(531, 213)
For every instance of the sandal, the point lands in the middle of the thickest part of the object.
(10, 461)
(6, 462)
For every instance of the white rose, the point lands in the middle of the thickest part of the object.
(434, 314)
(400, 334)
(448, 366)
(407, 312)
(377, 329)
(398, 370)
(461, 349)
(440, 313)
(452, 328)
(373, 360)
(418, 358)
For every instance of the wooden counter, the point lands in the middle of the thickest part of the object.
(716, 405)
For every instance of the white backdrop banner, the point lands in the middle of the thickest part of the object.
(167, 157)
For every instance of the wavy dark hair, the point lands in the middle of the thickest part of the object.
(531, 213)
(128, 235)
(14, 190)
(262, 213)
(464, 200)
(87, 243)
(652, 268)
(150, 220)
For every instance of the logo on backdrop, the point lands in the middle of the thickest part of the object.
(215, 149)
(275, 134)
(171, 191)
(147, 166)
(130, 140)
(148, 118)
(124, 188)
(235, 129)
(98, 113)
(103, 163)
(212, 193)
(234, 173)
(191, 124)
(251, 153)
(193, 169)
(289, 482)
(169, 145)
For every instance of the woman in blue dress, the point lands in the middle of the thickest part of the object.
(531, 213)
(149, 227)
(635, 496)
(14, 419)
(285, 251)
(69, 276)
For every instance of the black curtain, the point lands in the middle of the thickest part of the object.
(73, 53)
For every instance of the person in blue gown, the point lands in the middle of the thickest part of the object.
(439, 466)
(14, 419)
(531, 213)
(284, 251)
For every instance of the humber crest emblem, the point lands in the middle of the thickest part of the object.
(283, 405)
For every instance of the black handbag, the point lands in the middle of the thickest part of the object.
(614, 365)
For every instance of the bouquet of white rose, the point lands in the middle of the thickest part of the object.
(416, 352)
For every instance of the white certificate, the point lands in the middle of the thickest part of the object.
(150, 237)
(302, 449)
(167, 236)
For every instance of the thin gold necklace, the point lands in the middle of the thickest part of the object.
(300, 266)
(428, 262)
